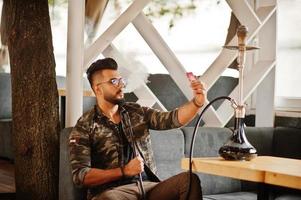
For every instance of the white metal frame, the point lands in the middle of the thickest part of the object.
(258, 15)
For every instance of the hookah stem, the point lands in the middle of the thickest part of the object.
(240, 82)
(241, 35)
(135, 149)
(140, 182)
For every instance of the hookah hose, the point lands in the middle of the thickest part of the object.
(136, 152)
(193, 138)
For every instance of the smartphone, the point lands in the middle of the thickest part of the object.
(190, 76)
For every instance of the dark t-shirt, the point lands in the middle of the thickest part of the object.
(128, 154)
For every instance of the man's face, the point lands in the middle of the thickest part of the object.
(109, 84)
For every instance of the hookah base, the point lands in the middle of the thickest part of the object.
(235, 153)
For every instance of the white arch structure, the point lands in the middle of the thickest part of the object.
(259, 16)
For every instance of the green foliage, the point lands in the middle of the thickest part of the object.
(172, 9)
(57, 2)
(54, 13)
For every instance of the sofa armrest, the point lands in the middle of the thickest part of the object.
(67, 190)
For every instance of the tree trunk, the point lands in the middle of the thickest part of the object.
(34, 99)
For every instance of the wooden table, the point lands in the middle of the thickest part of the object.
(86, 93)
(265, 169)
(62, 95)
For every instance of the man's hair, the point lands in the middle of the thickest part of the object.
(101, 64)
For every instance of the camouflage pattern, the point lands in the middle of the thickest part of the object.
(94, 141)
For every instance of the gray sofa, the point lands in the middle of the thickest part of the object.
(5, 116)
(172, 145)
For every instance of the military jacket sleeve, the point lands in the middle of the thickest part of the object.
(159, 120)
(80, 151)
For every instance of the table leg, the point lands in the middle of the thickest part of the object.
(62, 111)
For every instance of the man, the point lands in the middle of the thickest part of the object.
(110, 145)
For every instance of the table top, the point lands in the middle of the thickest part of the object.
(266, 169)
(86, 93)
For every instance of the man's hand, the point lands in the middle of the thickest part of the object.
(100, 176)
(199, 92)
(187, 111)
(134, 167)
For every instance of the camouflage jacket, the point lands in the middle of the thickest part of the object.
(94, 141)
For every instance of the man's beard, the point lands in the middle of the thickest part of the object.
(114, 100)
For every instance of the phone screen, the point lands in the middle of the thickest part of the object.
(190, 76)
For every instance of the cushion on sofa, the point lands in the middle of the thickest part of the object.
(207, 143)
(232, 196)
(207, 140)
(168, 147)
(261, 138)
(6, 145)
(5, 96)
(289, 197)
(282, 142)
(287, 142)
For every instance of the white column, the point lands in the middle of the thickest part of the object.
(265, 97)
(75, 56)
(265, 101)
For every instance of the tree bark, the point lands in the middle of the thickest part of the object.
(34, 99)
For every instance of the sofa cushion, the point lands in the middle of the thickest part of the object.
(168, 147)
(5, 96)
(232, 196)
(207, 140)
(289, 197)
(6, 147)
(261, 138)
(207, 143)
(287, 142)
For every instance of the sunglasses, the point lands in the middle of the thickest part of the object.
(115, 82)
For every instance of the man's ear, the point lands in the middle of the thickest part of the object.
(97, 90)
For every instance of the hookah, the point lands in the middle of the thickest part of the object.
(237, 147)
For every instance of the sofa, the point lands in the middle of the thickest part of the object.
(5, 117)
(171, 146)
